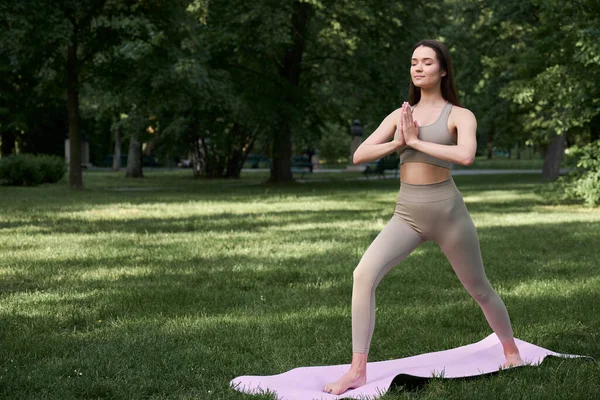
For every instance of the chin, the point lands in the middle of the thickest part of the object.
(421, 85)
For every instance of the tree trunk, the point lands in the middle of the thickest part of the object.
(75, 176)
(198, 159)
(553, 157)
(208, 161)
(233, 164)
(290, 71)
(8, 143)
(240, 146)
(134, 158)
(117, 155)
(282, 151)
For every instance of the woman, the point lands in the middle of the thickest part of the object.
(429, 206)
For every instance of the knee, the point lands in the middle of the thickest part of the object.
(363, 276)
(481, 292)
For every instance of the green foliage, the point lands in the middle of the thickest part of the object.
(53, 168)
(335, 144)
(552, 63)
(527, 69)
(211, 71)
(20, 170)
(30, 170)
(584, 182)
(587, 187)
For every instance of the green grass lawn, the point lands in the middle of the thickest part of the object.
(169, 287)
(481, 162)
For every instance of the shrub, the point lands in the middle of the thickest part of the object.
(53, 168)
(30, 170)
(584, 182)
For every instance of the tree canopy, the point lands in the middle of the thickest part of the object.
(221, 79)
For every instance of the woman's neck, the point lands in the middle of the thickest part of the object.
(431, 98)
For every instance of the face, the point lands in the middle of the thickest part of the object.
(425, 69)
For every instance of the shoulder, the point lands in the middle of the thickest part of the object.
(462, 119)
(397, 111)
(395, 114)
(461, 113)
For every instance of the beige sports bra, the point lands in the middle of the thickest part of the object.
(435, 133)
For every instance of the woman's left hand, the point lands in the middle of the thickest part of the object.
(410, 128)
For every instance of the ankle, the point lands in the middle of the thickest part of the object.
(359, 363)
(510, 348)
(358, 369)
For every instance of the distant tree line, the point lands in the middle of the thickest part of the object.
(221, 79)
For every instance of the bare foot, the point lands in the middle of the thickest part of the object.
(512, 360)
(511, 352)
(350, 380)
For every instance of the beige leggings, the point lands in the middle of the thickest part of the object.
(425, 212)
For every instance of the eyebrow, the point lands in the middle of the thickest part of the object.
(424, 58)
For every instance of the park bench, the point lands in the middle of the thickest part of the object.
(380, 166)
(301, 164)
(147, 161)
(255, 160)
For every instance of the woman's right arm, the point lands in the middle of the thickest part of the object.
(378, 144)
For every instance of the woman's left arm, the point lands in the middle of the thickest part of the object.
(462, 153)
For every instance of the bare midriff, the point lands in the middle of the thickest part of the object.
(418, 173)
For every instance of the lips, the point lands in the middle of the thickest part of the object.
(419, 76)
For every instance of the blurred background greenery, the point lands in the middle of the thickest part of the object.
(213, 84)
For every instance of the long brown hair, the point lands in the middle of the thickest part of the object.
(447, 85)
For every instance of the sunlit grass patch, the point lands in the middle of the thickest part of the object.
(556, 288)
(172, 292)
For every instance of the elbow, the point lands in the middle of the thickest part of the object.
(466, 161)
(356, 159)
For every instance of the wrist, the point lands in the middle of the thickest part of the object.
(412, 141)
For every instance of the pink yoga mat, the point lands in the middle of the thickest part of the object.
(306, 383)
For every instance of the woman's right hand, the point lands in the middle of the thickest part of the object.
(399, 135)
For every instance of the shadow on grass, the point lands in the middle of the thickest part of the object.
(139, 356)
(512, 255)
(186, 324)
(216, 284)
(47, 223)
(217, 222)
(52, 199)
